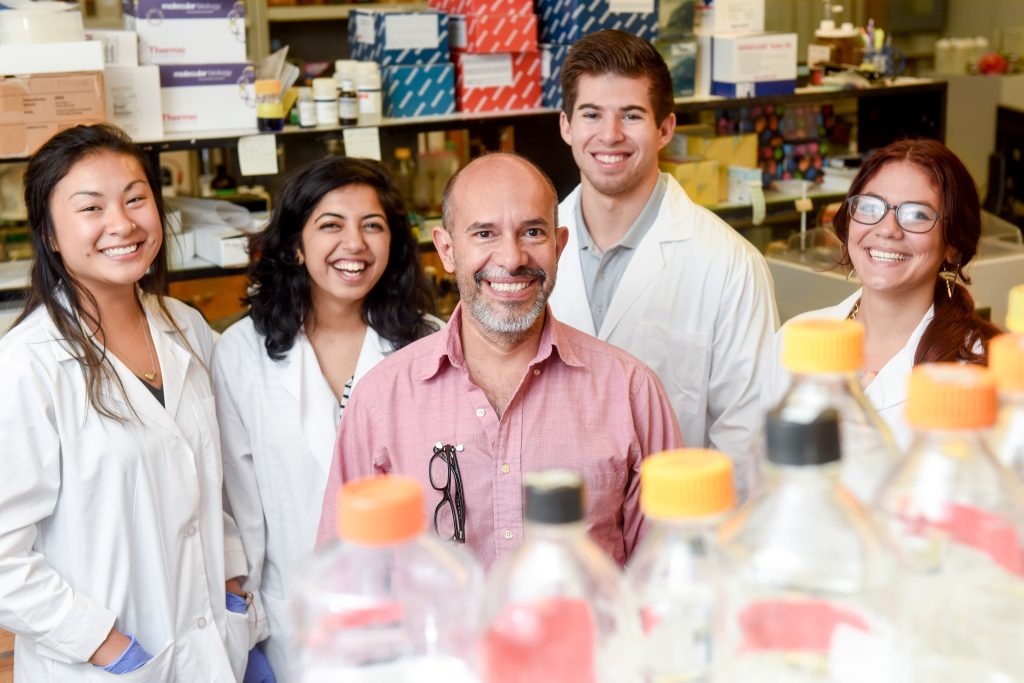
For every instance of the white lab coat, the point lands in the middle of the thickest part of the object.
(105, 523)
(696, 303)
(887, 392)
(278, 426)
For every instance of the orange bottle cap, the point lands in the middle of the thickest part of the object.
(382, 510)
(687, 482)
(822, 346)
(951, 396)
(267, 86)
(1006, 360)
(1015, 314)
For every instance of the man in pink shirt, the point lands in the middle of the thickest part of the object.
(505, 389)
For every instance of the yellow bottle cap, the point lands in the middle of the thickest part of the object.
(687, 482)
(819, 346)
(268, 86)
(951, 396)
(1006, 361)
(1015, 314)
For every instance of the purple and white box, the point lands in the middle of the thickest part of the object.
(207, 97)
(188, 31)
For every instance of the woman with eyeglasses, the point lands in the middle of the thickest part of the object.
(908, 227)
(336, 286)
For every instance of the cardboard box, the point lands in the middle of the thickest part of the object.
(131, 96)
(188, 31)
(698, 178)
(738, 183)
(675, 19)
(419, 90)
(50, 58)
(489, 33)
(390, 38)
(483, 6)
(181, 248)
(498, 82)
(566, 21)
(681, 58)
(727, 16)
(221, 245)
(34, 108)
(120, 48)
(552, 57)
(207, 97)
(753, 64)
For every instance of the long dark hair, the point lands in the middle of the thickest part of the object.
(956, 329)
(279, 296)
(71, 306)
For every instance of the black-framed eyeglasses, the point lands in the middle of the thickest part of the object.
(910, 216)
(450, 513)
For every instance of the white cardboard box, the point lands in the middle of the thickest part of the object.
(724, 16)
(207, 97)
(188, 31)
(131, 96)
(50, 58)
(181, 248)
(120, 48)
(753, 64)
(221, 245)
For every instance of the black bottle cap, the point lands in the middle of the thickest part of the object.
(554, 497)
(799, 439)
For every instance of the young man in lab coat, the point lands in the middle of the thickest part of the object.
(646, 268)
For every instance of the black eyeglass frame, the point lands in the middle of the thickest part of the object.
(451, 496)
(892, 207)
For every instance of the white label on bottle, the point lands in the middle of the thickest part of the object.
(457, 31)
(362, 142)
(411, 32)
(364, 29)
(257, 154)
(631, 6)
(487, 71)
(816, 54)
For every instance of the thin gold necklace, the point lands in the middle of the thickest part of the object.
(154, 368)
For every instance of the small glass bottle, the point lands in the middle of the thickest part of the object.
(348, 104)
(405, 173)
(325, 97)
(306, 107)
(269, 107)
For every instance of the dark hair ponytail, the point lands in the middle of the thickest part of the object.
(957, 332)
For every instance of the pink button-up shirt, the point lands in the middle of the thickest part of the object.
(582, 404)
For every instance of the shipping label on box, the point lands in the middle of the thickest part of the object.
(698, 178)
(483, 6)
(498, 82)
(34, 108)
(552, 57)
(681, 58)
(729, 16)
(566, 21)
(120, 48)
(390, 38)
(675, 19)
(190, 32)
(132, 100)
(489, 33)
(419, 90)
(207, 97)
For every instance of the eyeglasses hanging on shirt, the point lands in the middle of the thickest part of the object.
(450, 513)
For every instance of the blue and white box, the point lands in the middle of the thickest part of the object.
(390, 38)
(208, 97)
(419, 90)
(552, 57)
(753, 64)
(566, 21)
(188, 31)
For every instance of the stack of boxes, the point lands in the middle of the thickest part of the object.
(131, 92)
(494, 47)
(712, 168)
(411, 49)
(677, 44)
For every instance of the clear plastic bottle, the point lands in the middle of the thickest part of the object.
(557, 609)
(809, 589)
(388, 602)
(1006, 359)
(368, 86)
(306, 107)
(684, 494)
(958, 515)
(823, 356)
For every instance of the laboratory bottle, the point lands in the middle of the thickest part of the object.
(684, 494)
(386, 601)
(809, 587)
(269, 107)
(823, 357)
(1015, 310)
(405, 174)
(1006, 360)
(368, 88)
(348, 104)
(557, 609)
(325, 98)
(306, 107)
(957, 514)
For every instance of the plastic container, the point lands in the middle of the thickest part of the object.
(348, 104)
(557, 609)
(824, 356)
(957, 514)
(325, 98)
(840, 45)
(685, 495)
(368, 87)
(1006, 359)
(269, 107)
(388, 602)
(306, 106)
(809, 589)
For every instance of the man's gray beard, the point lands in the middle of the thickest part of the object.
(511, 330)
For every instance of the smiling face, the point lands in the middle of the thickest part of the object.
(106, 222)
(886, 258)
(345, 244)
(614, 136)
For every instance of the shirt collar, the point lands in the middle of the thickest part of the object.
(641, 226)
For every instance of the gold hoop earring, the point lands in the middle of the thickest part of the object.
(949, 276)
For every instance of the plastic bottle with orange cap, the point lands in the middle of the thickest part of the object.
(958, 516)
(386, 602)
(1006, 360)
(685, 494)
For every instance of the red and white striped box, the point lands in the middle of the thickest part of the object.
(483, 6)
(488, 33)
(497, 82)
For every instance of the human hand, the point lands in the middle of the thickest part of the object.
(133, 657)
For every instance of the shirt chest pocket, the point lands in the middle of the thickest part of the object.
(682, 361)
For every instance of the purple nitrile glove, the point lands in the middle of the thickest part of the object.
(134, 657)
(257, 669)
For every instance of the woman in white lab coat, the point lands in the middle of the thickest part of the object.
(909, 226)
(336, 285)
(114, 550)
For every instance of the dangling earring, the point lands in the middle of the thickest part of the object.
(949, 275)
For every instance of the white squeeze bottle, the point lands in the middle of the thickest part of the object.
(386, 602)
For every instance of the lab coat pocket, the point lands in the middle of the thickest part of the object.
(160, 669)
(237, 640)
(681, 360)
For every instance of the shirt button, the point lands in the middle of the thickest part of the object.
(201, 622)
(480, 412)
(536, 371)
(505, 469)
(508, 534)
(191, 530)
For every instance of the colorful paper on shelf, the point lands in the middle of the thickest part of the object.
(487, 33)
(207, 97)
(37, 107)
(390, 38)
(483, 6)
(681, 58)
(188, 32)
(552, 57)
(566, 21)
(419, 90)
(498, 82)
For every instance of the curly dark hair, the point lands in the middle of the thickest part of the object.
(279, 296)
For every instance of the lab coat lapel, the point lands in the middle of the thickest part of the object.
(304, 381)
(569, 288)
(645, 266)
(174, 363)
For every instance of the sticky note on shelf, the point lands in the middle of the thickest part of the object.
(362, 142)
(257, 155)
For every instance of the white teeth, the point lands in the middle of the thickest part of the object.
(350, 266)
(609, 158)
(121, 251)
(887, 255)
(509, 286)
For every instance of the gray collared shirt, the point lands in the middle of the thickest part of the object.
(602, 271)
